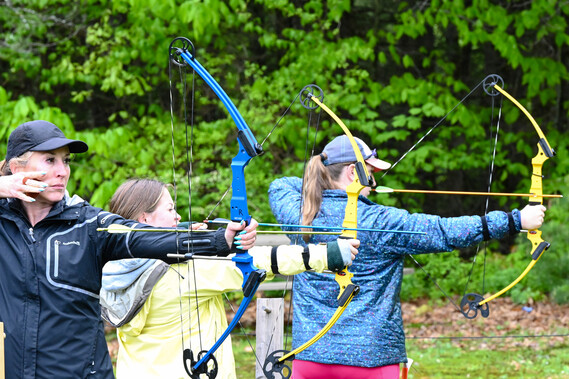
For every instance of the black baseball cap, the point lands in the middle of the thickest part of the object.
(40, 135)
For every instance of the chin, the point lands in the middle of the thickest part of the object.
(53, 197)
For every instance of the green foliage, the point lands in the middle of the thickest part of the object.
(391, 70)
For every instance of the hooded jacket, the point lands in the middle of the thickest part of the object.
(370, 332)
(50, 278)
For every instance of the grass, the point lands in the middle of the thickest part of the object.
(244, 355)
(486, 357)
(477, 358)
(491, 359)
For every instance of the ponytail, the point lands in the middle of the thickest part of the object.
(317, 178)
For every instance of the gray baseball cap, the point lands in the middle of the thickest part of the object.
(340, 150)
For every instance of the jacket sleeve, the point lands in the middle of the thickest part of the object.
(442, 234)
(294, 259)
(285, 196)
(156, 244)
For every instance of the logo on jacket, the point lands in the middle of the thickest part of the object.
(71, 243)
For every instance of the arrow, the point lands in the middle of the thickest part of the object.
(320, 228)
(381, 189)
(118, 228)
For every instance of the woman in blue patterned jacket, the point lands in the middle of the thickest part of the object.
(368, 341)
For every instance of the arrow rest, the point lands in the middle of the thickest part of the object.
(203, 368)
(307, 93)
(470, 305)
(175, 52)
(273, 365)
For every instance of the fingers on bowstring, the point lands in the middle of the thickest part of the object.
(199, 226)
(25, 177)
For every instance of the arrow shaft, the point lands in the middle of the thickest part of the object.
(469, 193)
(322, 228)
(173, 230)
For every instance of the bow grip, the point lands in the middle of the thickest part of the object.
(364, 179)
(543, 245)
(253, 281)
(350, 291)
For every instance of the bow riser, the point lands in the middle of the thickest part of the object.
(351, 217)
(239, 190)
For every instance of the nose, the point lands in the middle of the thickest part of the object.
(61, 168)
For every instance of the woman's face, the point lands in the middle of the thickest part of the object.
(55, 164)
(164, 215)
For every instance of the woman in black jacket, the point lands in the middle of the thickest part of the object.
(51, 258)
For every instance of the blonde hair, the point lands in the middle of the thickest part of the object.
(21, 161)
(318, 178)
(137, 196)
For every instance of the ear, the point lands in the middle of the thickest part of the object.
(351, 172)
(142, 218)
(14, 167)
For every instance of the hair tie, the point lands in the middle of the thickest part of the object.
(324, 159)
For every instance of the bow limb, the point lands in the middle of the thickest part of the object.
(473, 302)
(275, 362)
(362, 179)
(204, 362)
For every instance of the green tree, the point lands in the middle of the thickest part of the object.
(391, 70)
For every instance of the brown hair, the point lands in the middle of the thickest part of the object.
(317, 179)
(136, 196)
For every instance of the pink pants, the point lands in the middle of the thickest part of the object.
(313, 370)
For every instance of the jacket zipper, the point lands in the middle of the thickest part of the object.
(31, 231)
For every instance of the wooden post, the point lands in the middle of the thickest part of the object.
(269, 330)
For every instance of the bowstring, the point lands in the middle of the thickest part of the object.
(430, 130)
(189, 160)
(241, 326)
(289, 278)
(269, 134)
(491, 170)
(175, 184)
(486, 207)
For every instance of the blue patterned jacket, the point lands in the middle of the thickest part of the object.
(370, 332)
